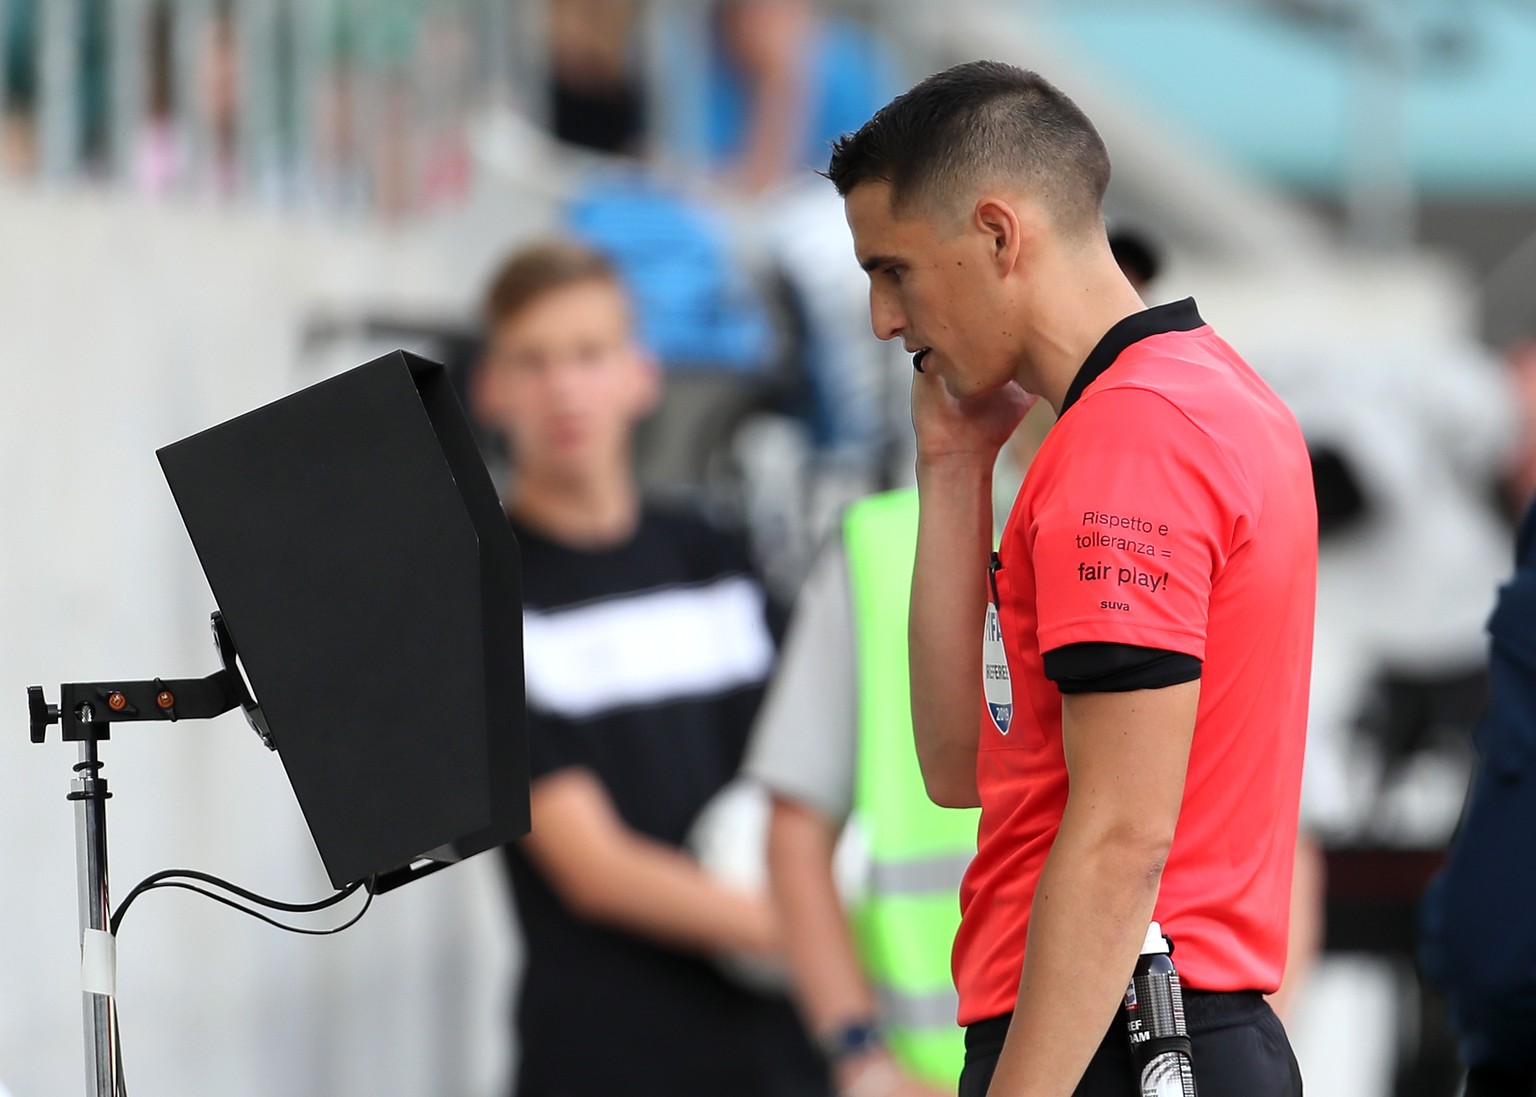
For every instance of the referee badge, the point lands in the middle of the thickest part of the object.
(996, 685)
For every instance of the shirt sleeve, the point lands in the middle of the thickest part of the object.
(805, 738)
(1133, 528)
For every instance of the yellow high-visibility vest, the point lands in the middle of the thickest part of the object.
(906, 921)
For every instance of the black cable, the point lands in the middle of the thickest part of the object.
(117, 1051)
(332, 901)
(175, 878)
(158, 880)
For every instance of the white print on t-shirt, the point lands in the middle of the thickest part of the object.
(995, 683)
(646, 648)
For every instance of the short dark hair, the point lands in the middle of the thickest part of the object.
(983, 120)
(539, 270)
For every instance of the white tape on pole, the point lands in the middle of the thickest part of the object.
(98, 962)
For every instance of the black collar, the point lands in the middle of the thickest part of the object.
(1174, 316)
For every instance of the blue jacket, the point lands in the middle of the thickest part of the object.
(1478, 920)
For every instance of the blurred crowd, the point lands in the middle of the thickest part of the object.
(697, 127)
(364, 106)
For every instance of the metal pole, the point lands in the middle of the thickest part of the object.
(311, 24)
(1379, 192)
(128, 27)
(58, 88)
(260, 145)
(676, 45)
(518, 58)
(189, 30)
(89, 792)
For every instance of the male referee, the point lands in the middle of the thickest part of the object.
(1142, 637)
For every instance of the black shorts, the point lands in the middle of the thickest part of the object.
(1240, 1050)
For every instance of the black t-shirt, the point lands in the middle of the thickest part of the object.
(645, 665)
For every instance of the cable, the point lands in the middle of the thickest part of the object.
(159, 879)
(177, 877)
(166, 883)
(117, 1051)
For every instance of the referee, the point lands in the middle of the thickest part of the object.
(1143, 635)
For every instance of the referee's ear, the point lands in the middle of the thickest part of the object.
(1005, 229)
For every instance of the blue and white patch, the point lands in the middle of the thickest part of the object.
(997, 686)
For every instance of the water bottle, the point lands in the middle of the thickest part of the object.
(1154, 1019)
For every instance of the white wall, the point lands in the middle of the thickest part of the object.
(123, 327)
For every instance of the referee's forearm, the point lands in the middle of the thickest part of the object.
(954, 543)
(1090, 912)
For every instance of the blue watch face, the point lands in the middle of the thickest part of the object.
(853, 1039)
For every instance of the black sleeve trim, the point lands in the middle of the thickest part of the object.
(1117, 668)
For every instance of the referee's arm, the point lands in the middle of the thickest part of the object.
(944, 628)
(958, 442)
(1126, 755)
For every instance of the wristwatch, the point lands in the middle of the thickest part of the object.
(852, 1039)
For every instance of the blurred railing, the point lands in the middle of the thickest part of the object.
(343, 105)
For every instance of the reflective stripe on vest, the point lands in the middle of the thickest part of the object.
(918, 851)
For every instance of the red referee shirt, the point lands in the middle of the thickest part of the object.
(1170, 507)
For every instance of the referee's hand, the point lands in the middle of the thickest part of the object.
(973, 427)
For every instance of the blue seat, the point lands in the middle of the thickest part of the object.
(697, 308)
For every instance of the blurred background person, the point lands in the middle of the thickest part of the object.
(778, 80)
(18, 81)
(833, 747)
(164, 163)
(647, 647)
(597, 98)
(743, 98)
(1407, 443)
(1478, 923)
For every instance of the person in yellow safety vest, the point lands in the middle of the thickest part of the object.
(833, 745)
(917, 851)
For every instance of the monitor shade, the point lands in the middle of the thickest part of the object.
(368, 576)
